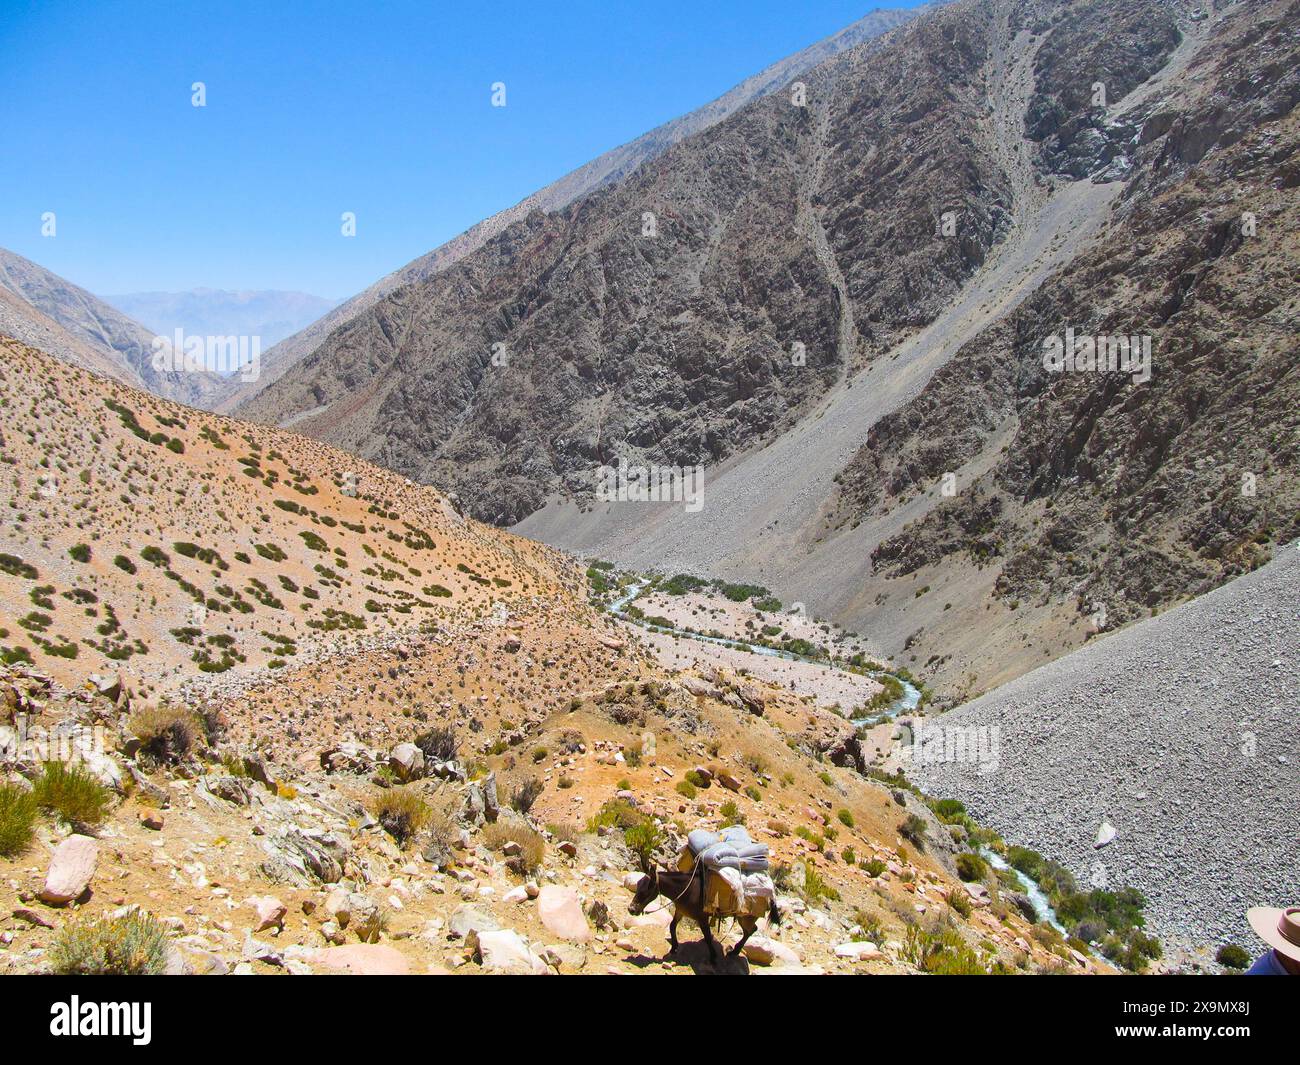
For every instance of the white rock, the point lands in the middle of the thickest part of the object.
(858, 951)
(505, 951)
(72, 867)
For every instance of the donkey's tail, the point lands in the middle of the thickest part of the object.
(773, 914)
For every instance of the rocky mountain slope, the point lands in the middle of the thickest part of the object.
(1180, 733)
(601, 171)
(322, 722)
(54, 315)
(791, 243)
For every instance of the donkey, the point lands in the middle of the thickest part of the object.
(686, 893)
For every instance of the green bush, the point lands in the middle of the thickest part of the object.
(970, 866)
(846, 818)
(814, 887)
(941, 952)
(616, 813)
(913, 830)
(643, 840)
(132, 945)
(731, 814)
(686, 789)
(79, 552)
(1231, 956)
(1132, 949)
(949, 811)
(69, 790)
(17, 819)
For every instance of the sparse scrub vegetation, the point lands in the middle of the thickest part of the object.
(401, 812)
(70, 791)
(18, 808)
(133, 944)
(167, 734)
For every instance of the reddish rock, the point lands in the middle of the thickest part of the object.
(270, 912)
(363, 959)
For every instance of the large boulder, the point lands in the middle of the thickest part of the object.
(268, 912)
(560, 911)
(470, 919)
(299, 857)
(859, 951)
(72, 867)
(763, 951)
(505, 951)
(108, 685)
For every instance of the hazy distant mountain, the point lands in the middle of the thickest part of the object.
(271, 315)
(51, 313)
(602, 170)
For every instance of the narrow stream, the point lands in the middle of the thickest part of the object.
(1031, 889)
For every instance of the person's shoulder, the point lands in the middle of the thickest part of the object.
(1267, 965)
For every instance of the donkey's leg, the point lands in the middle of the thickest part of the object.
(708, 939)
(747, 925)
(672, 932)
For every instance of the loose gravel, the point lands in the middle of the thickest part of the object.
(1182, 732)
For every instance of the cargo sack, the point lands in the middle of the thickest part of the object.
(724, 892)
(752, 858)
(721, 856)
(701, 840)
(760, 893)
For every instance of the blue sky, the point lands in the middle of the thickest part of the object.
(382, 109)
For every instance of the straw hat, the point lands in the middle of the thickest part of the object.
(1279, 928)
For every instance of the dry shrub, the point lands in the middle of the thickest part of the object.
(525, 793)
(532, 846)
(401, 811)
(131, 945)
(167, 734)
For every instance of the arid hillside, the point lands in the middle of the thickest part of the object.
(142, 536)
(317, 721)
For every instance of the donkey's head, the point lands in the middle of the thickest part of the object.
(647, 890)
